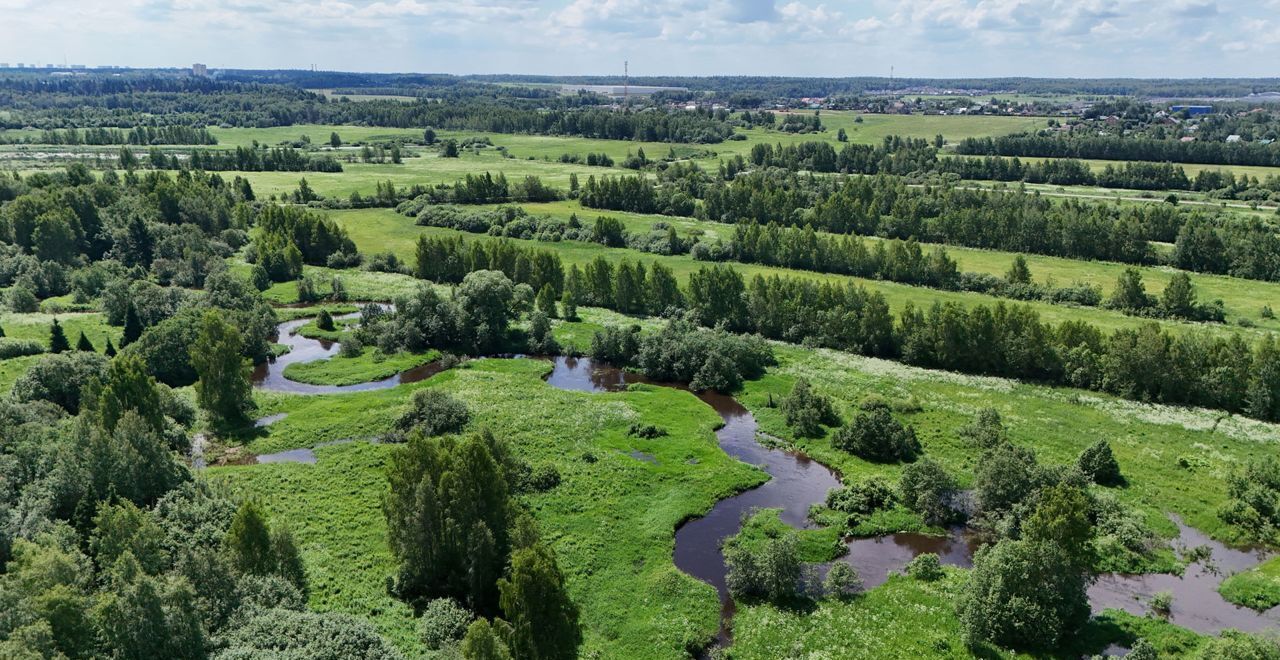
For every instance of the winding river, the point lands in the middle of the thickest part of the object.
(797, 482)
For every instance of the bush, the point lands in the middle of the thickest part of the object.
(324, 321)
(772, 571)
(1099, 464)
(433, 413)
(926, 567)
(443, 622)
(22, 300)
(1162, 603)
(646, 431)
(807, 411)
(842, 581)
(58, 378)
(543, 478)
(862, 497)
(351, 347)
(1023, 595)
(874, 435)
(12, 348)
(927, 489)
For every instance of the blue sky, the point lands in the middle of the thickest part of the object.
(944, 38)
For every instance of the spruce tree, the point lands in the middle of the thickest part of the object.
(83, 344)
(111, 349)
(132, 326)
(58, 339)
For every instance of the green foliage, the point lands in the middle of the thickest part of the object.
(124, 528)
(986, 430)
(483, 642)
(1099, 464)
(875, 435)
(1005, 476)
(324, 321)
(770, 571)
(842, 581)
(248, 541)
(83, 344)
(223, 389)
(328, 635)
(925, 567)
(443, 622)
(22, 300)
(1235, 645)
(1023, 594)
(806, 411)
(541, 341)
(862, 497)
(485, 299)
(1130, 294)
(1257, 588)
(926, 488)
(448, 517)
(433, 412)
(543, 619)
(1254, 503)
(139, 616)
(126, 386)
(132, 327)
(58, 379)
(1061, 520)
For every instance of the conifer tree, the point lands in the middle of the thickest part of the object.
(58, 339)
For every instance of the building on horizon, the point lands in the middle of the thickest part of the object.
(199, 70)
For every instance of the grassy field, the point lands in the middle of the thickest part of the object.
(611, 520)
(1242, 298)
(370, 365)
(1258, 587)
(906, 619)
(376, 230)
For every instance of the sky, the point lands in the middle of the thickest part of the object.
(921, 38)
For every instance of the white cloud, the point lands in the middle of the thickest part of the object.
(930, 37)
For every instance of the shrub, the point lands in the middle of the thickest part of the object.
(22, 300)
(1023, 595)
(433, 413)
(443, 622)
(1162, 603)
(772, 571)
(874, 435)
(1254, 503)
(926, 567)
(927, 489)
(324, 321)
(807, 411)
(646, 431)
(543, 478)
(351, 347)
(57, 378)
(1099, 464)
(12, 348)
(842, 581)
(862, 497)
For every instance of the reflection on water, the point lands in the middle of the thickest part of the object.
(798, 482)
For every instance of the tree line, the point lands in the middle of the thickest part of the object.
(138, 135)
(1145, 363)
(1120, 148)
